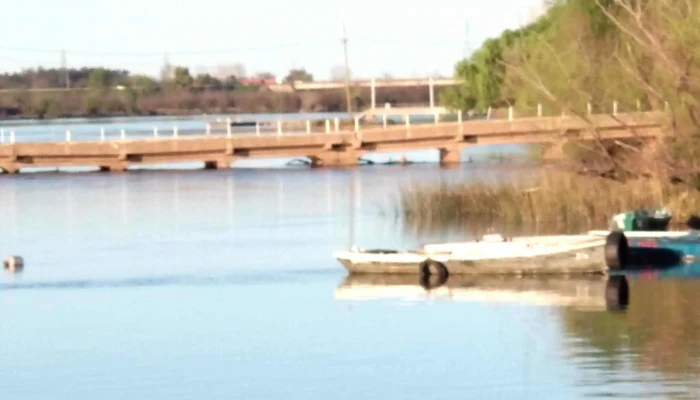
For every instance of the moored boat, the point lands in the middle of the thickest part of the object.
(527, 255)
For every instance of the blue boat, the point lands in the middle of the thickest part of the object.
(622, 252)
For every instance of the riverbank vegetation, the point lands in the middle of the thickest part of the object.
(98, 92)
(582, 52)
(548, 202)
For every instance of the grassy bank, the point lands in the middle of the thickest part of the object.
(552, 202)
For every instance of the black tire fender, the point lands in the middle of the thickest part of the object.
(616, 247)
(617, 295)
(432, 267)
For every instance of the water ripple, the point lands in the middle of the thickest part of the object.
(239, 278)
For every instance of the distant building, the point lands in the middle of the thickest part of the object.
(258, 81)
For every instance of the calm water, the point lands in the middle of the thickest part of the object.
(221, 284)
(187, 284)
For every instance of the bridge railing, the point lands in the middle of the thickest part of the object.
(228, 127)
(216, 128)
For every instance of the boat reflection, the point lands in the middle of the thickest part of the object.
(611, 293)
(595, 293)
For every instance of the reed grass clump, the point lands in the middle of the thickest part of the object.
(552, 202)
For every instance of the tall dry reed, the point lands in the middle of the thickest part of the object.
(552, 202)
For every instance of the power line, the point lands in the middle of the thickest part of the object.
(231, 50)
(159, 53)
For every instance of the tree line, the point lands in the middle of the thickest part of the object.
(99, 92)
(177, 77)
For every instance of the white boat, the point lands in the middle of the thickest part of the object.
(491, 238)
(493, 255)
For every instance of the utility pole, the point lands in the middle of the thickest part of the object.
(166, 68)
(347, 73)
(467, 48)
(64, 68)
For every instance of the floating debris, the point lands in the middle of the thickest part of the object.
(13, 263)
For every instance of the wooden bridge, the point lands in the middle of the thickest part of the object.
(324, 144)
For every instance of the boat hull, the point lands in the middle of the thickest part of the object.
(574, 262)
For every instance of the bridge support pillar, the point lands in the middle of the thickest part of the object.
(9, 169)
(335, 159)
(217, 164)
(113, 167)
(450, 155)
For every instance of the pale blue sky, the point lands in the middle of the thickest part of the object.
(403, 38)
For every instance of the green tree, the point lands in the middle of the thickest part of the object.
(100, 78)
(183, 79)
(207, 81)
(298, 74)
(595, 53)
(143, 84)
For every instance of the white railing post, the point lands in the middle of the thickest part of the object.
(357, 124)
(12, 136)
(228, 127)
(308, 126)
(488, 113)
(431, 87)
(67, 135)
(257, 128)
(459, 121)
(155, 132)
(279, 128)
(589, 108)
(102, 134)
(2, 136)
(408, 125)
(208, 131)
(336, 122)
(384, 122)
(539, 109)
(510, 113)
(436, 118)
(175, 131)
(615, 107)
(328, 126)
(123, 134)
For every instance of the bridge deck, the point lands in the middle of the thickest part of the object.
(334, 148)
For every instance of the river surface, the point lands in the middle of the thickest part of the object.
(191, 284)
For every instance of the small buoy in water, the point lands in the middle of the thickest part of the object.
(13, 263)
